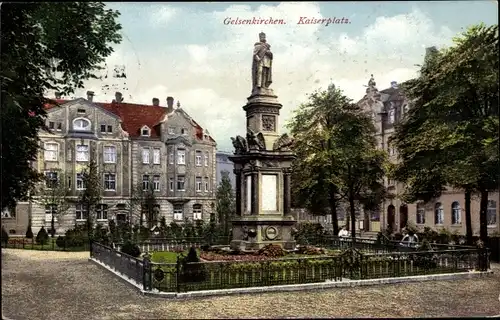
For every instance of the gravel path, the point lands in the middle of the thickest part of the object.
(60, 285)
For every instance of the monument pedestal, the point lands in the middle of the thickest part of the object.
(262, 164)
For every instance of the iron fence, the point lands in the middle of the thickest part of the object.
(52, 244)
(132, 268)
(352, 263)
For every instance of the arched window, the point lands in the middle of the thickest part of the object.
(420, 214)
(438, 213)
(145, 131)
(492, 212)
(456, 213)
(81, 124)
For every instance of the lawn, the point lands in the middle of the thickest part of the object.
(30, 244)
(168, 256)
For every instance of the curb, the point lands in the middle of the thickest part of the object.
(345, 283)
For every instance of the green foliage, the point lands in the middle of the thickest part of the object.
(42, 237)
(131, 249)
(334, 140)
(192, 270)
(308, 233)
(100, 235)
(448, 134)
(225, 202)
(5, 236)
(77, 237)
(188, 229)
(61, 242)
(45, 46)
(29, 232)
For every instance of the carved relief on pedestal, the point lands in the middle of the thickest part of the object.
(268, 123)
(271, 233)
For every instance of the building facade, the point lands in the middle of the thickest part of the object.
(388, 107)
(224, 164)
(135, 146)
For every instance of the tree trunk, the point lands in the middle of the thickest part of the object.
(483, 219)
(468, 217)
(52, 226)
(352, 209)
(333, 210)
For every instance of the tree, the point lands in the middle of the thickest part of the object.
(334, 141)
(90, 197)
(450, 135)
(225, 204)
(45, 46)
(54, 196)
(144, 203)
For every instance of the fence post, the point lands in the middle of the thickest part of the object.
(146, 273)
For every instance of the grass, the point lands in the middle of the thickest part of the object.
(49, 246)
(168, 256)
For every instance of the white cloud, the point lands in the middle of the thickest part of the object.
(212, 79)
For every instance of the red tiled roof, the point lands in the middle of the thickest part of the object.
(135, 116)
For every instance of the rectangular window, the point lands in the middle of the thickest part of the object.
(103, 128)
(178, 212)
(109, 182)
(156, 183)
(80, 184)
(51, 179)
(206, 159)
(181, 156)
(145, 155)
(156, 156)
(109, 154)
(59, 126)
(69, 182)
(198, 158)
(198, 184)
(82, 153)
(50, 210)
(102, 212)
(181, 182)
(51, 125)
(81, 212)
(171, 184)
(51, 151)
(197, 212)
(171, 157)
(110, 129)
(145, 182)
(207, 182)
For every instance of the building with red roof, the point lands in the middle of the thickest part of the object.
(139, 149)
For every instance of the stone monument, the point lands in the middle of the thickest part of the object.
(262, 163)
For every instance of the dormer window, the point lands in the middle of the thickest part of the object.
(81, 124)
(145, 131)
(184, 131)
(81, 111)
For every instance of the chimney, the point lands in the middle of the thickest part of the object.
(58, 95)
(118, 97)
(170, 104)
(156, 102)
(90, 95)
(394, 84)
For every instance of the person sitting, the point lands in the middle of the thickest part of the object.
(343, 233)
(410, 239)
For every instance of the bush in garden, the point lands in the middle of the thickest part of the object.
(131, 249)
(101, 235)
(175, 230)
(144, 233)
(308, 233)
(5, 236)
(42, 237)
(272, 251)
(113, 231)
(192, 270)
(29, 232)
(76, 237)
(61, 242)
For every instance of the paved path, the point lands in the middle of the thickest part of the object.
(58, 285)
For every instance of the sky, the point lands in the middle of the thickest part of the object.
(185, 50)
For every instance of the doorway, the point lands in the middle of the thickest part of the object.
(403, 216)
(391, 217)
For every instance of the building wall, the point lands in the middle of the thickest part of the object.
(129, 167)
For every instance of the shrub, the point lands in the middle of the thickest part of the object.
(101, 235)
(76, 237)
(131, 249)
(61, 242)
(310, 250)
(5, 236)
(272, 251)
(42, 237)
(192, 269)
(29, 232)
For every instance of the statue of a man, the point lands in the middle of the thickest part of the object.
(262, 64)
